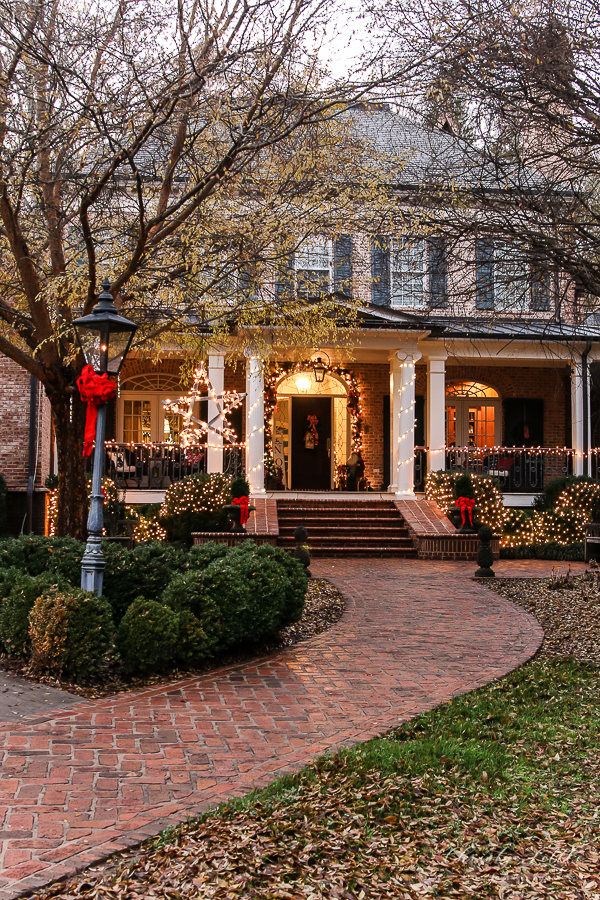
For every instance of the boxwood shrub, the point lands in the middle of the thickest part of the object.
(143, 572)
(38, 555)
(147, 635)
(71, 632)
(242, 595)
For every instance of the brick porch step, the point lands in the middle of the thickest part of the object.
(346, 528)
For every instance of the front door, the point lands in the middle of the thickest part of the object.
(311, 454)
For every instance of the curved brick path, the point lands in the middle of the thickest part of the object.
(87, 782)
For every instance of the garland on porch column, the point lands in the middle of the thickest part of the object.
(353, 405)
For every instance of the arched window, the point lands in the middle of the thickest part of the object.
(469, 389)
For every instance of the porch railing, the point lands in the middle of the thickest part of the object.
(519, 470)
(156, 466)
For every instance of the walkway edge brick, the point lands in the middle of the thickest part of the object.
(82, 784)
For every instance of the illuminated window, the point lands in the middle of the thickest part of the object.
(137, 421)
(469, 389)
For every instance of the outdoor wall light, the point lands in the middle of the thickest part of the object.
(303, 383)
(320, 367)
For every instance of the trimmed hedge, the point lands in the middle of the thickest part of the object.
(39, 555)
(171, 606)
(145, 571)
(553, 550)
(242, 595)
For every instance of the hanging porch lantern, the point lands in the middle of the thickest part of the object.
(320, 367)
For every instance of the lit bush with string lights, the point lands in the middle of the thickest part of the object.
(196, 504)
(488, 497)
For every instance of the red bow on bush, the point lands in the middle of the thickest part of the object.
(93, 390)
(242, 502)
(463, 504)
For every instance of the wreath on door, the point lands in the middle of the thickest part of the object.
(311, 436)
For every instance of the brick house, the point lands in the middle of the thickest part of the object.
(447, 368)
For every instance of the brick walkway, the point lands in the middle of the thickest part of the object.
(84, 783)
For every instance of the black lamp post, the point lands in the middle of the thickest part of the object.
(320, 368)
(105, 338)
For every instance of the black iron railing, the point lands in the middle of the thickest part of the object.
(519, 470)
(156, 466)
(420, 468)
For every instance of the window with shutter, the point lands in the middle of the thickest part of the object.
(313, 267)
(510, 281)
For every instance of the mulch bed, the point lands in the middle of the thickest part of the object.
(566, 606)
(324, 607)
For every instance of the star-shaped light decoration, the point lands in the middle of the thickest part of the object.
(195, 429)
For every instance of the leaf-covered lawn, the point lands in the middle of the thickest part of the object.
(495, 794)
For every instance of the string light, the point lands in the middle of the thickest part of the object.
(565, 524)
(193, 434)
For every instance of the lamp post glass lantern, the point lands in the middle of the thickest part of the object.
(105, 338)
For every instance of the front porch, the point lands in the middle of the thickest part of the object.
(381, 418)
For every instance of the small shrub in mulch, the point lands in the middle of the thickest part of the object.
(71, 632)
(147, 635)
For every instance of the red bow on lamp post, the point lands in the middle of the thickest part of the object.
(94, 390)
(466, 505)
(242, 502)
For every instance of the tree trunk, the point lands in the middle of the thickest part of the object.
(69, 425)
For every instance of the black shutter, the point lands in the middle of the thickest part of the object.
(386, 441)
(284, 282)
(438, 268)
(342, 264)
(523, 422)
(419, 420)
(540, 284)
(380, 270)
(484, 262)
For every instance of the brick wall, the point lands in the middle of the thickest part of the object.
(14, 427)
(543, 384)
(374, 384)
(14, 424)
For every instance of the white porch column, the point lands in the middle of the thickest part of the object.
(577, 416)
(436, 413)
(402, 385)
(216, 374)
(395, 406)
(255, 424)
